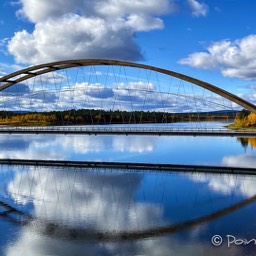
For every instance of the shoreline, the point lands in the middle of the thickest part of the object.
(237, 128)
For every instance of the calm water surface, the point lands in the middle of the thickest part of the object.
(68, 211)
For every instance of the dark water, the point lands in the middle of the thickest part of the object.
(68, 211)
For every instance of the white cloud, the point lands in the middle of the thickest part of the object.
(38, 11)
(74, 37)
(144, 23)
(58, 92)
(84, 29)
(234, 58)
(2, 73)
(198, 9)
(199, 60)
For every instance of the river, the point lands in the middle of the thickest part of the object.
(81, 211)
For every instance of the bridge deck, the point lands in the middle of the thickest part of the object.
(133, 166)
(129, 131)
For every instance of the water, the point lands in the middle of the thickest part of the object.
(72, 211)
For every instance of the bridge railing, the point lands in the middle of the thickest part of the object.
(120, 129)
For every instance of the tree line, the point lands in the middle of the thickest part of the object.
(97, 116)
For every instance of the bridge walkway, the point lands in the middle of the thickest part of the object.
(90, 130)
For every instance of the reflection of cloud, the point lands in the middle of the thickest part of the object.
(66, 147)
(29, 147)
(99, 200)
(244, 160)
(227, 184)
(137, 144)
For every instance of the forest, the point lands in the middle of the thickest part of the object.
(97, 116)
(244, 119)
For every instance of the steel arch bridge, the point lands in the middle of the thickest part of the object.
(34, 71)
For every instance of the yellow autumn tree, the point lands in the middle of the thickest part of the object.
(251, 119)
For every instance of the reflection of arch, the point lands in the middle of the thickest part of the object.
(30, 72)
(53, 229)
(11, 212)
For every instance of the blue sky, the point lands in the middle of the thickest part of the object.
(212, 40)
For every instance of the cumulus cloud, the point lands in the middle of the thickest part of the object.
(98, 91)
(57, 92)
(84, 29)
(198, 9)
(234, 58)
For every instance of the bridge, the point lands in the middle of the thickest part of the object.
(98, 97)
(31, 72)
(111, 92)
(128, 130)
(95, 96)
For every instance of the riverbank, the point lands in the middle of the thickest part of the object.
(237, 127)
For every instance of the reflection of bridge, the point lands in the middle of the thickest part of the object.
(132, 166)
(128, 130)
(57, 230)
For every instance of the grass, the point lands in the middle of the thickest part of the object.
(236, 127)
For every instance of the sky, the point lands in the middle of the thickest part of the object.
(212, 40)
